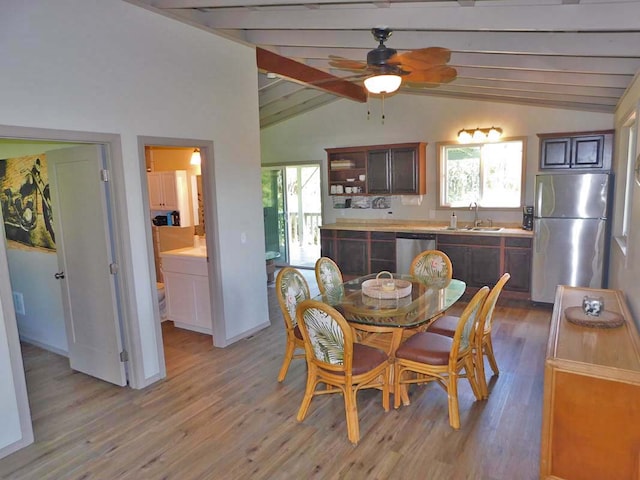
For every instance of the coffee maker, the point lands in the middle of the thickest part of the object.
(527, 217)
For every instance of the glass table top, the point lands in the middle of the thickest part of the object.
(421, 305)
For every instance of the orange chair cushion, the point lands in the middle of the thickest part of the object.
(426, 347)
(444, 326)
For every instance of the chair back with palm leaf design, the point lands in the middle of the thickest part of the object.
(291, 288)
(431, 267)
(327, 336)
(329, 277)
(464, 337)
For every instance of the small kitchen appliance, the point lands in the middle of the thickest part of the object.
(527, 217)
(160, 220)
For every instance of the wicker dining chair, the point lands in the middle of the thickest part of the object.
(335, 360)
(431, 266)
(291, 289)
(442, 359)
(446, 325)
(328, 276)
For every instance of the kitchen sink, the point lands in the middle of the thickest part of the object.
(475, 229)
(485, 229)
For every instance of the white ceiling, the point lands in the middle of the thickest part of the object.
(576, 54)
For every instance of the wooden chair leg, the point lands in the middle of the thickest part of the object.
(400, 391)
(312, 382)
(386, 387)
(351, 409)
(288, 356)
(488, 348)
(480, 374)
(452, 392)
(470, 371)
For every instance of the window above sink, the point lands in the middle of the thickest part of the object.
(491, 174)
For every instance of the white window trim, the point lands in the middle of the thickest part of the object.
(630, 129)
(440, 173)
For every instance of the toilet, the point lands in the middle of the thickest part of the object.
(162, 302)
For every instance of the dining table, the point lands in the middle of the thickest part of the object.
(381, 317)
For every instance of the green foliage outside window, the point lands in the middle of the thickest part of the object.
(489, 174)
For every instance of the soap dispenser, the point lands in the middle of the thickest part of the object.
(453, 224)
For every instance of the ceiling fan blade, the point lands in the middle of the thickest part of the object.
(355, 78)
(436, 75)
(346, 64)
(429, 56)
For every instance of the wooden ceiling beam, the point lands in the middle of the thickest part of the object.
(270, 62)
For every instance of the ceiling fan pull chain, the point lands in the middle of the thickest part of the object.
(368, 106)
(383, 109)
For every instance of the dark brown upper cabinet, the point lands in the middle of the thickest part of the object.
(394, 169)
(580, 150)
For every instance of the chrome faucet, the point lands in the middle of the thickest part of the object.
(474, 206)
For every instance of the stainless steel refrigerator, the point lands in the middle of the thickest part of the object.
(570, 232)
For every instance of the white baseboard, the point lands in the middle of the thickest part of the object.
(44, 346)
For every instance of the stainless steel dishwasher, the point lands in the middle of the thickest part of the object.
(408, 245)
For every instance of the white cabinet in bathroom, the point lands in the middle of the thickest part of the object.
(186, 283)
(170, 191)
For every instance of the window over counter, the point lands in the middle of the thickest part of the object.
(491, 174)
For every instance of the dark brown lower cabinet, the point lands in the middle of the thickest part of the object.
(481, 260)
(517, 261)
(478, 260)
(353, 257)
(328, 244)
(475, 258)
(359, 253)
(382, 252)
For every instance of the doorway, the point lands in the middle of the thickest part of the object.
(40, 140)
(292, 206)
(178, 337)
(59, 252)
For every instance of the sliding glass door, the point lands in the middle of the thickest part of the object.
(292, 203)
(274, 208)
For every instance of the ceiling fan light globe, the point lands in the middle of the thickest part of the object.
(382, 83)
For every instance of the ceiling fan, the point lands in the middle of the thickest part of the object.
(385, 68)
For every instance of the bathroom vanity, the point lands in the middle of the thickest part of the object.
(186, 281)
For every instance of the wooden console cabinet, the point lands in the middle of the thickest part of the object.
(591, 405)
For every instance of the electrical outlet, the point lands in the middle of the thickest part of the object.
(18, 303)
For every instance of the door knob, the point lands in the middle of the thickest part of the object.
(58, 275)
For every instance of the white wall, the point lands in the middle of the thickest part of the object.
(43, 321)
(412, 118)
(109, 66)
(624, 268)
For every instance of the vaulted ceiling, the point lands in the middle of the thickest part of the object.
(575, 54)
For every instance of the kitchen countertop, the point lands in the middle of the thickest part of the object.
(190, 252)
(414, 226)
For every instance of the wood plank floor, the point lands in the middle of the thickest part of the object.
(221, 414)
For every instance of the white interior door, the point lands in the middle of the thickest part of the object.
(84, 248)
